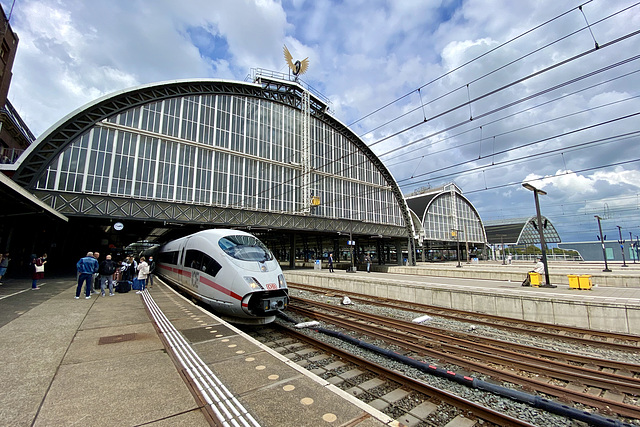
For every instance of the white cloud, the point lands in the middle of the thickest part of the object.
(363, 55)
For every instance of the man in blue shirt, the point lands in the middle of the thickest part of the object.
(86, 267)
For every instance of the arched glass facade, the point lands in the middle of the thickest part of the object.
(224, 150)
(439, 221)
(442, 210)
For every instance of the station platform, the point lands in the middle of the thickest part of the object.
(149, 359)
(496, 289)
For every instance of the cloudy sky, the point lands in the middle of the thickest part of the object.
(546, 106)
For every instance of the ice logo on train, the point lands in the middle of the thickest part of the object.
(230, 270)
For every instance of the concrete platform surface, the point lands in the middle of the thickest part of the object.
(150, 359)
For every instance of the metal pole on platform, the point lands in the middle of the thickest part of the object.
(604, 252)
(624, 262)
(543, 245)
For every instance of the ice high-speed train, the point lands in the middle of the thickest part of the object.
(230, 270)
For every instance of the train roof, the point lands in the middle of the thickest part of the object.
(215, 233)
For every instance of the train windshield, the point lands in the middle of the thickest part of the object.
(245, 248)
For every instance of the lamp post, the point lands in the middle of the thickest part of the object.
(624, 262)
(604, 253)
(543, 245)
(456, 233)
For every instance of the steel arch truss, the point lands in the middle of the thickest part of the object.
(115, 208)
(68, 129)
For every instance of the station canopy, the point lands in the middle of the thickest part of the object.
(520, 231)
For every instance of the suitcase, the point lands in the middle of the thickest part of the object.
(137, 286)
(123, 286)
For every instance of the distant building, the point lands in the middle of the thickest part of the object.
(445, 222)
(15, 136)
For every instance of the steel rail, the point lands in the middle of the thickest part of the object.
(451, 313)
(606, 405)
(478, 410)
(491, 353)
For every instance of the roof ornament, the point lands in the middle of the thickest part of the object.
(298, 67)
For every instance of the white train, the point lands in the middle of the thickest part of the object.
(230, 270)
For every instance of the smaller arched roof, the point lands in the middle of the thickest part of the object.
(520, 231)
(442, 210)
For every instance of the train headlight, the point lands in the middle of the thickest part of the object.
(251, 281)
(281, 281)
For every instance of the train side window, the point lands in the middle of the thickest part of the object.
(168, 257)
(210, 265)
(193, 259)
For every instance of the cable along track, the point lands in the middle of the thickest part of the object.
(579, 384)
(587, 337)
(408, 400)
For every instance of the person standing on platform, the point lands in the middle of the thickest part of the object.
(4, 264)
(37, 265)
(96, 275)
(143, 272)
(86, 267)
(107, 268)
(331, 263)
(367, 260)
(152, 267)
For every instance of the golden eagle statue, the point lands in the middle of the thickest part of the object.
(299, 67)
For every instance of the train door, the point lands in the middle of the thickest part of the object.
(192, 260)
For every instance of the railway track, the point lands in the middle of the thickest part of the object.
(599, 384)
(409, 400)
(588, 338)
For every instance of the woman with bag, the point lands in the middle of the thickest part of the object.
(37, 264)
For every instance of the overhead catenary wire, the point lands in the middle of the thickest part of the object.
(494, 70)
(528, 144)
(485, 124)
(500, 46)
(346, 156)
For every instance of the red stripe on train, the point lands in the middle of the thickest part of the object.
(205, 281)
(219, 288)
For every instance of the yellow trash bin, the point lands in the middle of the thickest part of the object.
(585, 281)
(574, 283)
(534, 278)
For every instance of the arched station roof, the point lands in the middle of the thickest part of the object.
(444, 209)
(213, 151)
(520, 231)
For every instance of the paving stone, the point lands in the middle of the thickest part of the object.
(335, 365)
(575, 387)
(335, 380)
(350, 374)
(395, 395)
(372, 383)
(423, 410)
(612, 395)
(460, 421)
(319, 357)
(594, 391)
(379, 404)
(318, 371)
(408, 420)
